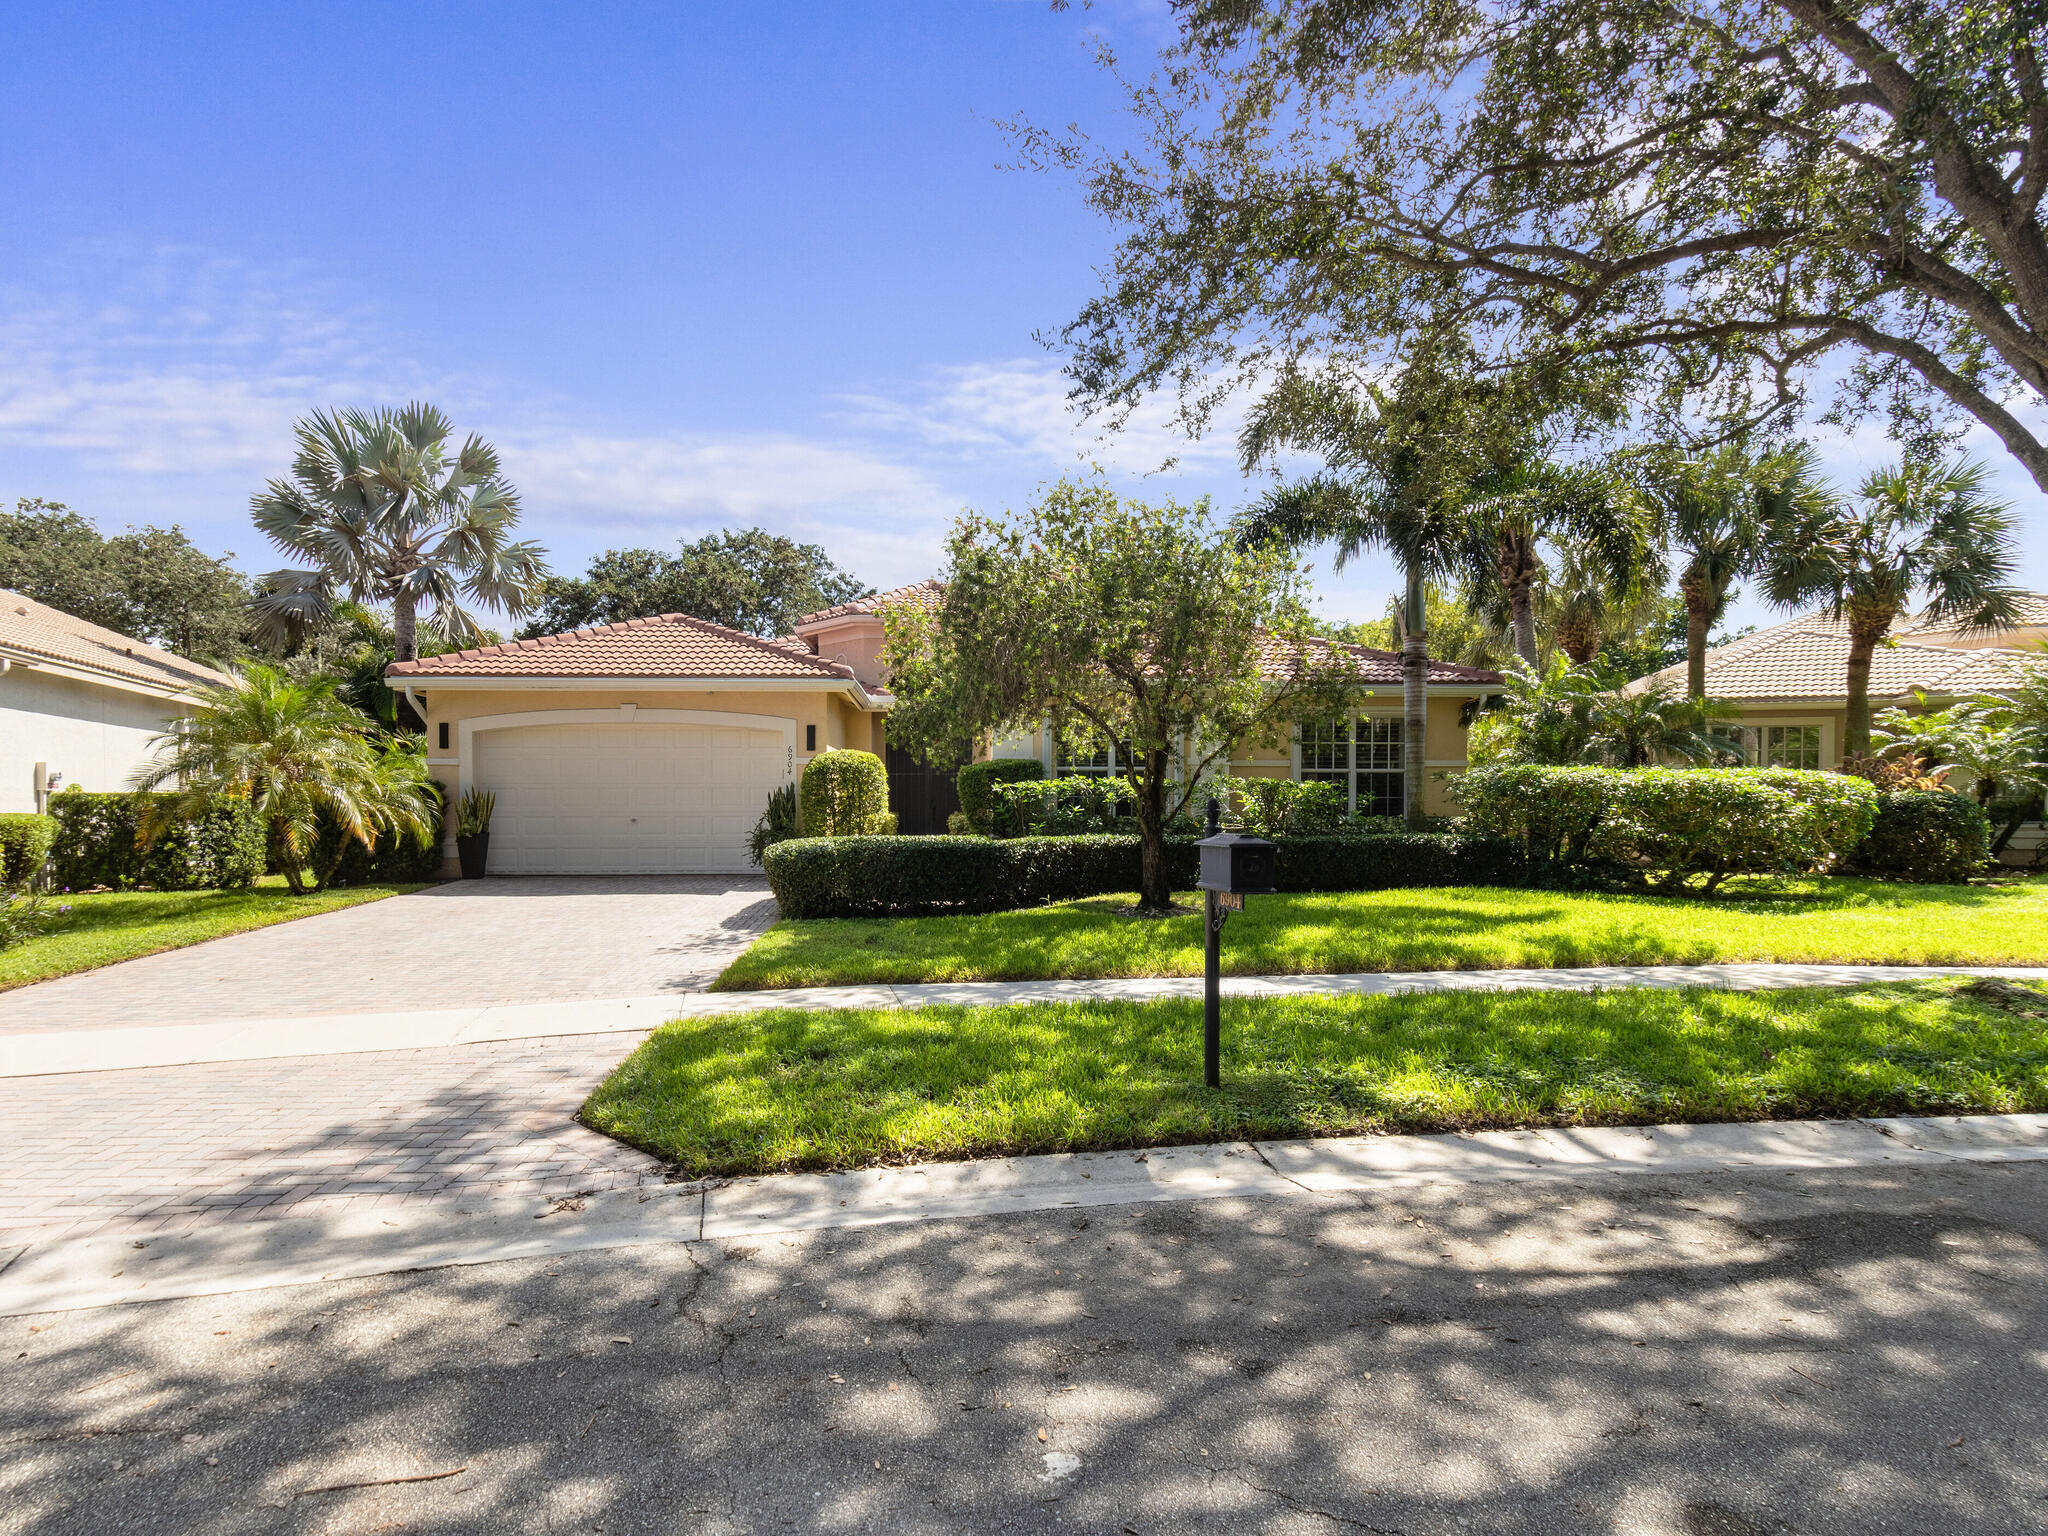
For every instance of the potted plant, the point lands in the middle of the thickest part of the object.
(473, 831)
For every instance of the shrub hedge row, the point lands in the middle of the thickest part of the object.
(922, 876)
(25, 839)
(1688, 823)
(99, 842)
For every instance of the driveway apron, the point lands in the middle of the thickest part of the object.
(172, 1147)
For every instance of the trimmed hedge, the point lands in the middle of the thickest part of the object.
(924, 876)
(1926, 835)
(25, 839)
(845, 794)
(1710, 822)
(976, 782)
(99, 842)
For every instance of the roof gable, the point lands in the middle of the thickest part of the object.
(665, 645)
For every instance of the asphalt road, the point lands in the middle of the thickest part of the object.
(1700, 1355)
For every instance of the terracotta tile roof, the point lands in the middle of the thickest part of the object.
(668, 645)
(33, 629)
(1373, 666)
(919, 594)
(1808, 658)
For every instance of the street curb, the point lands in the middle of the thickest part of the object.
(75, 1274)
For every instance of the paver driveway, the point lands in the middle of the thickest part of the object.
(162, 1147)
(450, 946)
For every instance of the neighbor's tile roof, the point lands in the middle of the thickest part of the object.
(919, 594)
(669, 645)
(1808, 658)
(33, 629)
(2033, 614)
(1277, 655)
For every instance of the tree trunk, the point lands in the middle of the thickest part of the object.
(1414, 698)
(1516, 565)
(404, 627)
(1579, 638)
(1867, 625)
(1698, 615)
(1155, 883)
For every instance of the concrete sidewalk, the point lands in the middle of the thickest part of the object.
(49, 1052)
(110, 1270)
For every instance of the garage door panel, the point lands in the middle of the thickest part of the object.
(632, 798)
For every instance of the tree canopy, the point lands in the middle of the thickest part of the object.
(1111, 620)
(150, 582)
(1734, 198)
(750, 580)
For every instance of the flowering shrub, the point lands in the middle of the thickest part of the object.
(22, 916)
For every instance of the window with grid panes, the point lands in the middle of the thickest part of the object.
(1100, 761)
(1364, 756)
(1792, 746)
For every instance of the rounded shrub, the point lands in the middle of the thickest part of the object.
(1706, 823)
(844, 794)
(976, 784)
(25, 839)
(1926, 835)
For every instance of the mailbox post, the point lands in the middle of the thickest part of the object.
(1233, 867)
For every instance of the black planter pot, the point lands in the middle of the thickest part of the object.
(475, 853)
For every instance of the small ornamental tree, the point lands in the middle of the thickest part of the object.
(1110, 620)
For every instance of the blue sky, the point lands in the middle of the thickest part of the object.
(689, 267)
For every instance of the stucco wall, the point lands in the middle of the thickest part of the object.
(95, 736)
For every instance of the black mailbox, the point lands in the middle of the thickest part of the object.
(1237, 864)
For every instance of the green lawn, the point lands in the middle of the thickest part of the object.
(120, 925)
(784, 1090)
(1469, 928)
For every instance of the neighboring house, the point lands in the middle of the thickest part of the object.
(1791, 681)
(651, 746)
(79, 704)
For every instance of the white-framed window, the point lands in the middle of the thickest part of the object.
(1364, 756)
(1100, 760)
(1789, 746)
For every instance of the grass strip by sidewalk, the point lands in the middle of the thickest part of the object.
(786, 1090)
(110, 926)
(1817, 921)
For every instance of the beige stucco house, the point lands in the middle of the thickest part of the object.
(79, 704)
(1791, 681)
(651, 746)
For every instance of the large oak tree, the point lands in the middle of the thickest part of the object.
(1738, 196)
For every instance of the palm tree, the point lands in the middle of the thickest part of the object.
(1520, 504)
(1715, 512)
(1649, 726)
(302, 756)
(1542, 715)
(1918, 527)
(1585, 601)
(386, 513)
(1389, 492)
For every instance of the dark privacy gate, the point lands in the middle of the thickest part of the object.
(920, 793)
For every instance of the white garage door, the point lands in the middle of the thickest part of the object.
(640, 798)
